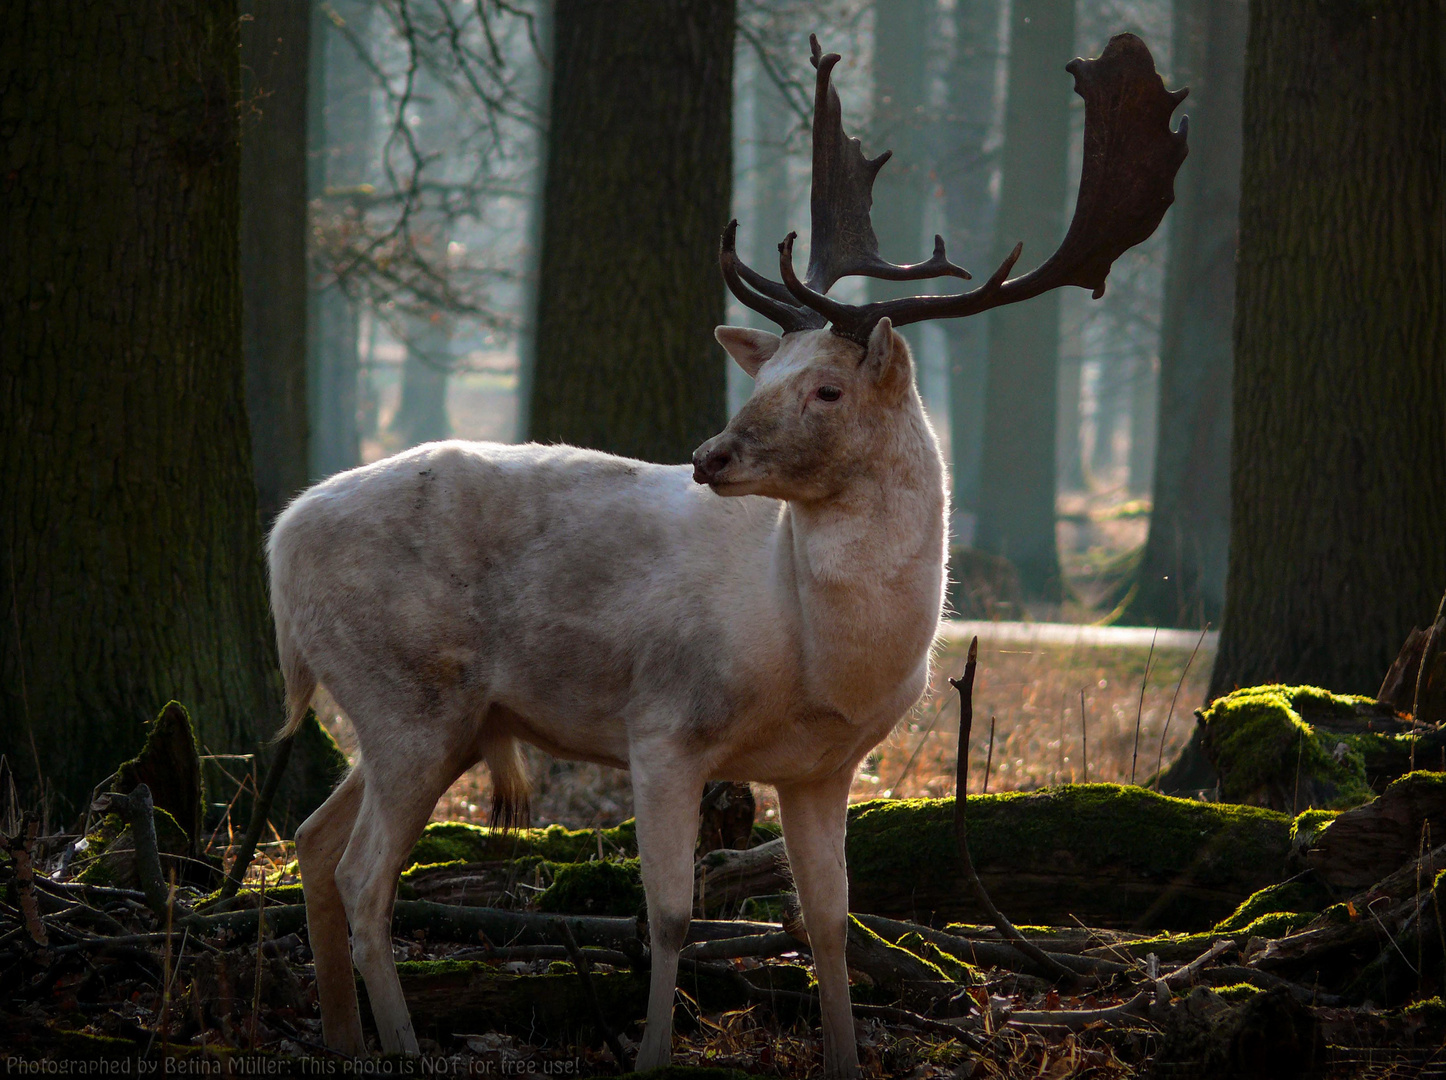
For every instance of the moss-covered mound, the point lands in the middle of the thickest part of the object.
(456, 841)
(1108, 855)
(595, 888)
(1294, 747)
(1302, 899)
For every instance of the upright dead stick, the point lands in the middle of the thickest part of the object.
(260, 813)
(1007, 929)
(1084, 737)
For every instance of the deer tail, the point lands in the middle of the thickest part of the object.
(510, 786)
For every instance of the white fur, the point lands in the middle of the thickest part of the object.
(461, 596)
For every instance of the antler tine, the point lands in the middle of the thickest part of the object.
(1128, 182)
(844, 243)
(753, 290)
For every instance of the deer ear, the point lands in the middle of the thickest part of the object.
(886, 357)
(750, 348)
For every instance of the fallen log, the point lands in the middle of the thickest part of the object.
(1364, 845)
(1291, 748)
(1104, 854)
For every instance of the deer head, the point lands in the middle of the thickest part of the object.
(839, 367)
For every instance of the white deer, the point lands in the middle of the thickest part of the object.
(767, 615)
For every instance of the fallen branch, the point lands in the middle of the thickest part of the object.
(448, 922)
(965, 687)
(1078, 1019)
(991, 953)
(754, 945)
(1186, 974)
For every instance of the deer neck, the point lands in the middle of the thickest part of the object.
(866, 566)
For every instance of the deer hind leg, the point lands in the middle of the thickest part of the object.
(814, 818)
(397, 801)
(665, 800)
(319, 845)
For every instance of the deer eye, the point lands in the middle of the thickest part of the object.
(829, 393)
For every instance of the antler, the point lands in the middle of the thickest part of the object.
(1130, 160)
(844, 243)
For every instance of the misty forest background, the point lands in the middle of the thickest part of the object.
(383, 222)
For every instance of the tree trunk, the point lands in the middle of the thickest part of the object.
(341, 152)
(902, 30)
(1338, 505)
(1182, 573)
(1144, 421)
(1069, 450)
(1017, 490)
(422, 414)
(637, 193)
(965, 169)
(130, 541)
(275, 40)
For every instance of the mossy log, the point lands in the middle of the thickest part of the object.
(1384, 944)
(1107, 855)
(1291, 748)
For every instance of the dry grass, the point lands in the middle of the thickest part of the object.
(1032, 692)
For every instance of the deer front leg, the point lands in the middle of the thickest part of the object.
(814, 816)
(666, 792)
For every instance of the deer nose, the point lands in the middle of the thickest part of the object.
(709, 464)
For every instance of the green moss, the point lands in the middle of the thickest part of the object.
(1266, 752)
(1238, 992)
(1308, 825)
(595, 888)
(1430, 1011)
(456, 841)
(1276, 924)
(109, 857)
(953, 967)
(903, 850)
(1291, 897)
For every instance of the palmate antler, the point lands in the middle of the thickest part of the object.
(1128, 181)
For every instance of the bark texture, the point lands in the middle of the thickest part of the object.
(132, 571)
(637, 193)
(1017, 487)
(1181, 580)
(275, 39)
(1338, 483)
